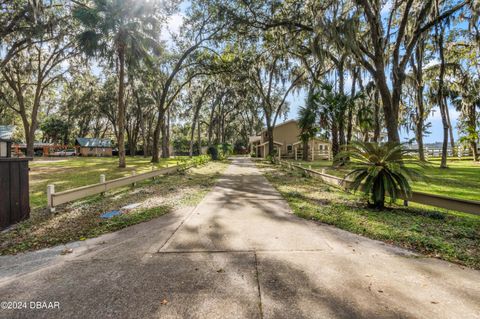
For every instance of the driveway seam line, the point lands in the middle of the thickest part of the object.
(257, 275)
(178, 227)
(188, 216)
(240, 251)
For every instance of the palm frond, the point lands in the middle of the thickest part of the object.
(381, 170)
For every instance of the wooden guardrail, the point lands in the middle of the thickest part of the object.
(460, 205)
(57, 198)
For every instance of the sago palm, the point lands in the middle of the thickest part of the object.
(380, 170)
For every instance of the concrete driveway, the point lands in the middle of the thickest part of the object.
(240, 253)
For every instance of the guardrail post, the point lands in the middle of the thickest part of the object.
(153, 177)
(102, 181)
(323, 170)
(133, 174)
(50, 192)
(309, 167)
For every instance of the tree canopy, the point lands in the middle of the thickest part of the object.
(119, 69)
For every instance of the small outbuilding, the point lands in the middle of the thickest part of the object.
(93, 146)
(6, 136)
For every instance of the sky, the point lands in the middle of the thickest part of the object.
(173, 26)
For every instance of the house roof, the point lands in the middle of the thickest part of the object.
(281, 124)
(93, 142)
(274, 142)
(253, 139)
(6, 132)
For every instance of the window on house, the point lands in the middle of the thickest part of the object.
(289, 148)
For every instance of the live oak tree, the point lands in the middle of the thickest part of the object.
(380, 36)
(386, 46)
(27, 77)
(202, 25)
(272, 76)
(22, 22)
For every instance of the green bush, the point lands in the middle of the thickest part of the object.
(213, 152)
(272, 158)
(379, 169)
(224, 150)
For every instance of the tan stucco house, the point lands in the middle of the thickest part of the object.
(288, 144)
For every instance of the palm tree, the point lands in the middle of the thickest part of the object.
(307, 118)
(331, 106)
(380, 170)
(365, 120)
(119, 31)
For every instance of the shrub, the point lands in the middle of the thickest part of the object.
(213, 152)
(273, 158)
(379, 169)
(225, 150)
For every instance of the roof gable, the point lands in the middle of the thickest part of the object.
(93, 142)
(281, 124)
(6, 132)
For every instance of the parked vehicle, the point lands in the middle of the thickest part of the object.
(65, 153)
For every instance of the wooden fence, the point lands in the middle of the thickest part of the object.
(14, 200)
(57, 198)
(460, 205)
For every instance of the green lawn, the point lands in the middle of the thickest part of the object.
(80, 171)
(435, 232)
(80, 220)
(461, 180)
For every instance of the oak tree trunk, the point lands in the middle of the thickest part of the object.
(376, 117)
(441, 101)
(450, 128)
